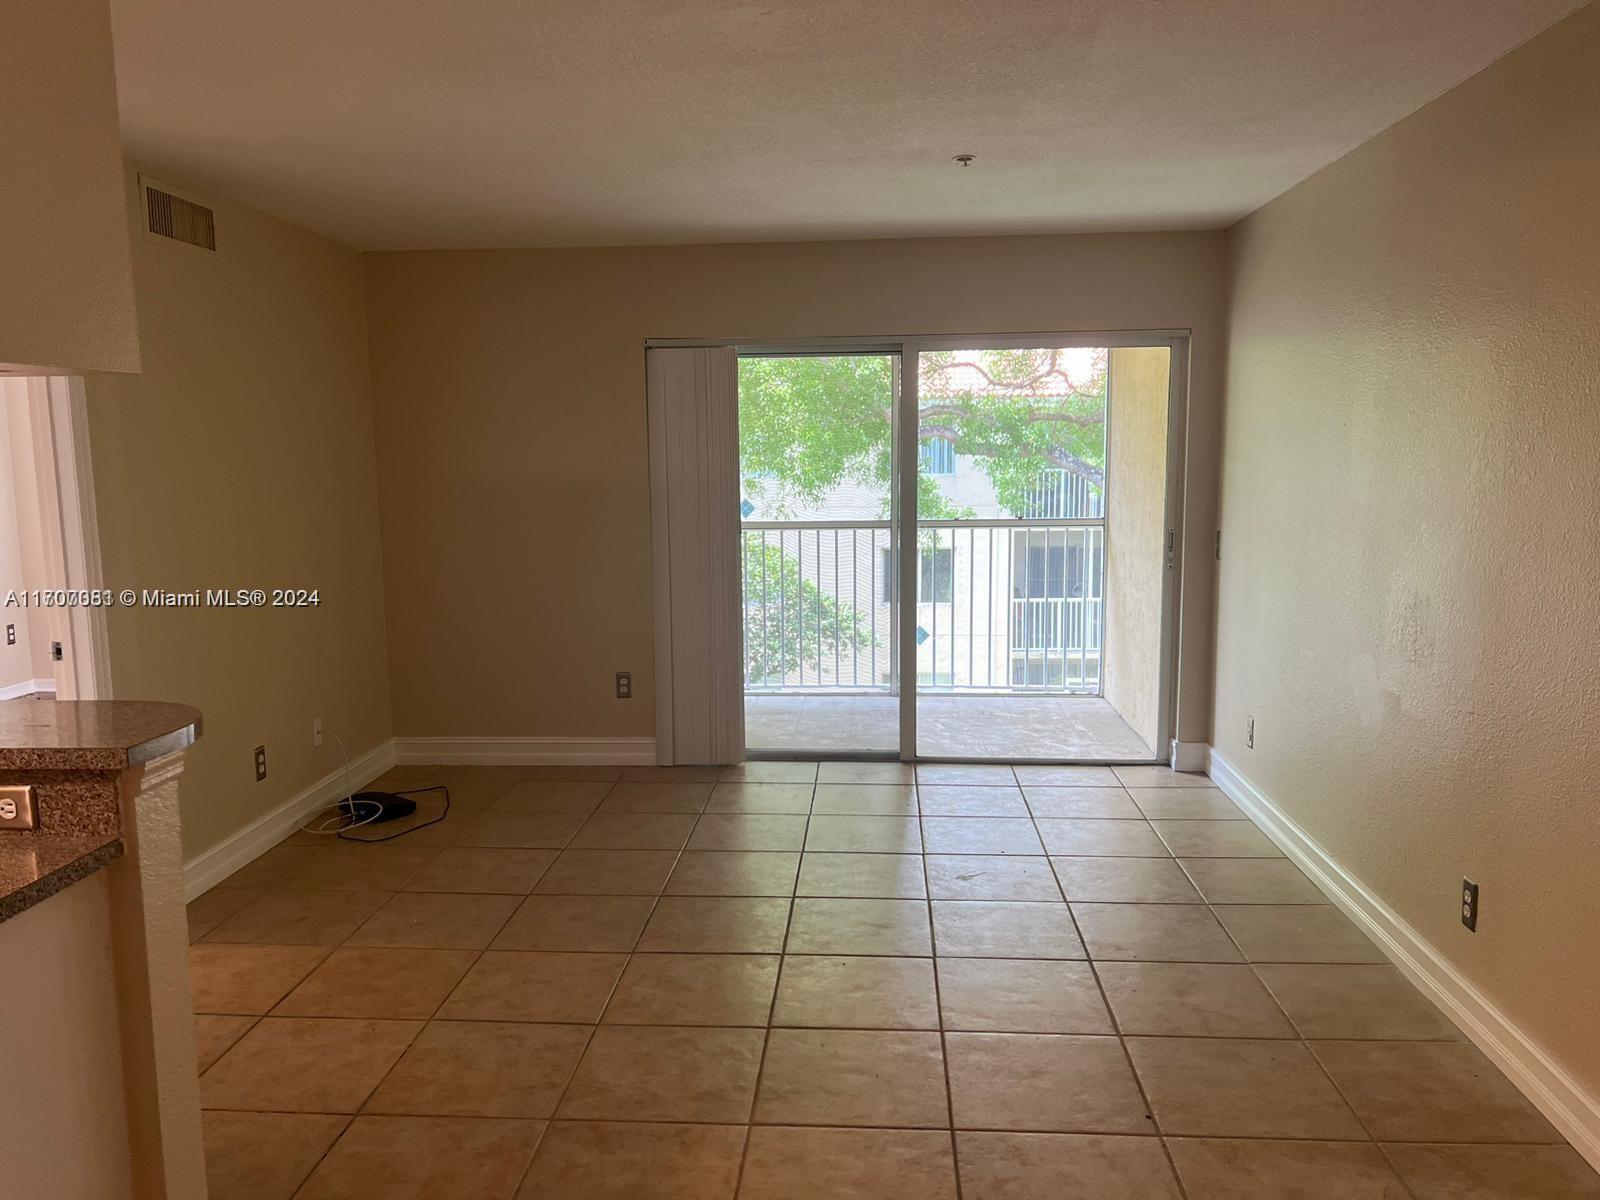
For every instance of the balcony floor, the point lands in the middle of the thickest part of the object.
(970, 726)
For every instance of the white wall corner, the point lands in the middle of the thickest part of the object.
(1190, 756)
(1573, 1112)
(210, 867)
(526, 751)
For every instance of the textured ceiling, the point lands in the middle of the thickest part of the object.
(401, 124)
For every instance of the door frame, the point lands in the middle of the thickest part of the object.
(904, 487)
(58, 420)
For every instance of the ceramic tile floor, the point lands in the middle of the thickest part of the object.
(948, 726)
(779, 982)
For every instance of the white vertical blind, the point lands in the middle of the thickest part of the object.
(694, 501)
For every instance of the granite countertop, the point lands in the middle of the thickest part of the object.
(34, 867)
(92, 735)
(71, 751)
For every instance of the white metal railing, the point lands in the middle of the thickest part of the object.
(816, 607)
(1060, 495)
(1001, 606)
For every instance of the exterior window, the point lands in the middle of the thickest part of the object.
(1041, 572)
(938, 457)
(936, 576)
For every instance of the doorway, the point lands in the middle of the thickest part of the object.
(974, 559)
(1042, 503)
(819, 544)
(54, 643)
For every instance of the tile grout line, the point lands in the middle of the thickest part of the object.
(351, 1119)
(772, 1004)
(1155, 1037)
(545, 1126)
(1301, 1039)
(938, 993)
(594, 1028)
(428, 1020)
(1111, 1013)
(1073, 1132)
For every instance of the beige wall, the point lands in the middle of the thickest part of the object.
(66, 1131)
(1410, 584)
(1136, 524)
(243, 457)
(509, 390)
(68, 294)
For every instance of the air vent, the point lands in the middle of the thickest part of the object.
(170, 216)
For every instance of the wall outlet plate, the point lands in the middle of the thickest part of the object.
(1469, 905)
(1249, 733)
(17, 809)
(261, 763)
(624, 685)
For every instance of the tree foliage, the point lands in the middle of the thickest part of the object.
(789, 621)
(810, 424)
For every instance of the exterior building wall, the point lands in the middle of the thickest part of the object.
(1136, 477)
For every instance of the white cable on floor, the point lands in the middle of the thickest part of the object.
(342, 811)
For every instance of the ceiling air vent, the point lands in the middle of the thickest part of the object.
(172, 216)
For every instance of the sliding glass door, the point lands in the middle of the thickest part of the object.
(1041, 517)
(818, 547)
(1025, 614)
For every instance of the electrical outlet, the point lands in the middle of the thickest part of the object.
(1249, 733)
(11, 635)
(261, 763)
(316, 731)
(17, 809)
(1469, 904)
(624, 685)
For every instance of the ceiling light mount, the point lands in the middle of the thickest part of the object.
(966, 160)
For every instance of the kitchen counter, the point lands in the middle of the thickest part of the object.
(36, 867)
(92, 735)
(75, 754)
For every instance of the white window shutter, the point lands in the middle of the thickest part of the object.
(693, 397)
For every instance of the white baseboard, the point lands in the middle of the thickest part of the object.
(526, 751)
(1567, 1106)
(212, 866)
(27, 688)
(1190, 756)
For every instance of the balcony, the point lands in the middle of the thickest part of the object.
(1010, 625)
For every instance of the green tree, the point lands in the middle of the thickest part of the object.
(788, 620)
(810, 424)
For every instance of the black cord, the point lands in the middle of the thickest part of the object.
(438, 787)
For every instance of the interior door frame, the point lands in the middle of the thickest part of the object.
(58, 419)
(904, 488)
